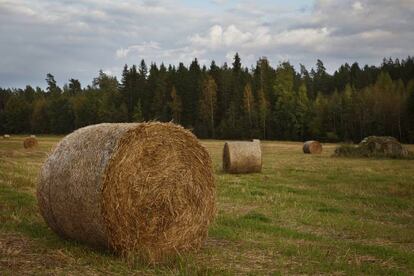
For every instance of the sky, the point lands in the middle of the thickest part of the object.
(77, 38)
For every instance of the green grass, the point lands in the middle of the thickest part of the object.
(304, 214)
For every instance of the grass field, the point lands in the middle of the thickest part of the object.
(302, 215)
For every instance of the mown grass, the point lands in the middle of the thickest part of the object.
(303, 214)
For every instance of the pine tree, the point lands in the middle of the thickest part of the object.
(61, 115)
(194, 86)
(159, 105)
(52, 87)
(74, 87)
(208, 103)
(175, 105)
(285, 112)
(39, 120)
(248, 103)
(137, 115)
(302, 110)
(263, 107)
(317, 126)
(86, 108)
(17, 114)
(410, 110)
(236, 63)
(347, 116)
(112, 106)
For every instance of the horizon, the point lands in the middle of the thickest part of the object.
(118, 76)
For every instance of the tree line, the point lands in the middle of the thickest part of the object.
(228, 102)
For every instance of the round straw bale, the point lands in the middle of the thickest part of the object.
(33, 136)
(242, 157)
(312, 147)
(29, 143)
(6, 136)
(142, 189)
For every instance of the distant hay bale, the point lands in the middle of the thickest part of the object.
(33, 136)
(374, 146)
(383, 145)
(29, 143)
(142, 189)
(6, 136)
(312, 147)
(242, 157)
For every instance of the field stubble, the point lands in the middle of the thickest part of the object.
(304, 214)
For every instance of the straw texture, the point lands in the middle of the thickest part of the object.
(242, 157)
(144, 189)
(386, 145)
(312, 147)
(29, 142)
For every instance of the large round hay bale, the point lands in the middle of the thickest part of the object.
(312, 147)
(29, 143)
(242, 157)
(6, 136)
(144, 190)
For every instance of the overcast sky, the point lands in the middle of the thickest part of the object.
(77, 38)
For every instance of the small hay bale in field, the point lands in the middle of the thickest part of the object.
(6, 136)
(29, 143)
(242, 157)
(33, 136)
(312, 147)
(145, 190)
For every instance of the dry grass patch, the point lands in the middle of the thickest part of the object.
(304, 214)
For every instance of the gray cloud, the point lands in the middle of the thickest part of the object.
(77, 38)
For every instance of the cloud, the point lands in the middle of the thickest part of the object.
(219, 2)
(75, 39)
(260, 38)
(154, 52)
(140, 49)
(357, 6)
(218, 37)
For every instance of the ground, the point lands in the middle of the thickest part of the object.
(304, 214)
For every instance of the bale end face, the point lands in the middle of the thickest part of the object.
(312, 147)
